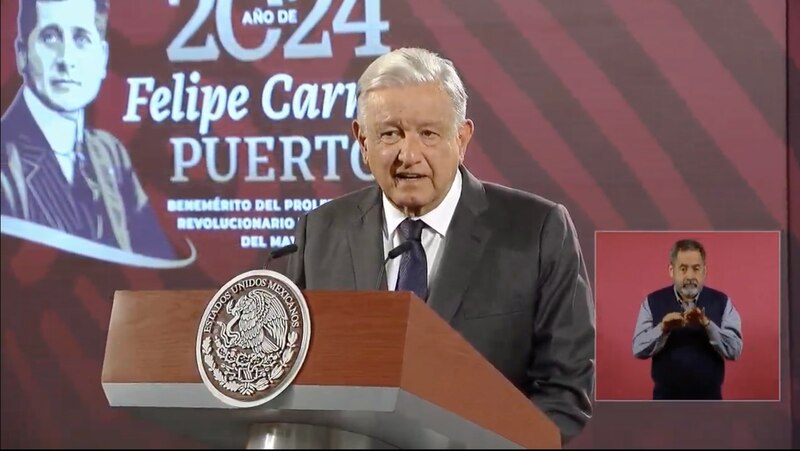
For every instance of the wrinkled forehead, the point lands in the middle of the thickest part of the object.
(413, 104)
(66, 15)
(688, 258)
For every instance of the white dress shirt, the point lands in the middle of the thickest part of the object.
(62, 133)
(437, 220)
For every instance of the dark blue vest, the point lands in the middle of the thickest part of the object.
(688, 367)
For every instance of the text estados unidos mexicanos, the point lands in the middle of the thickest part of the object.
(207, 104)
(220, 204)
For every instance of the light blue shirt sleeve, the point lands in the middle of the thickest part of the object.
(648, 338)
(726, 338)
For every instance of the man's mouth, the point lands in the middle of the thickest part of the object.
(409, 176)
(65, 82)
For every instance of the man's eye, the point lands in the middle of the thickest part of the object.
(83, 39)
(428, 133)
(50, 36)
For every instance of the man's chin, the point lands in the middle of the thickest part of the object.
(690, 293)
(411, 207)
(69, 107)
(68, 102)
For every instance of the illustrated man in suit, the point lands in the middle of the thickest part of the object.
(56, 171)
(688, 330)
(502, 266)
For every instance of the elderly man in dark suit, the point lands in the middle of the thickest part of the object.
(502, 266)
(56, 172)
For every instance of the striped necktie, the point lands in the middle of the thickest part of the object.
(413, 274)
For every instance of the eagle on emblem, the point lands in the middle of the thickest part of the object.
(262, 322)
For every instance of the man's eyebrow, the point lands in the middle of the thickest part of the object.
(81, 29)
(431, 124)
(50, 27)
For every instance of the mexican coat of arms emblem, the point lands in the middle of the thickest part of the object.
(253, 338)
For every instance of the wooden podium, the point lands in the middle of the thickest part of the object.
(381, 366)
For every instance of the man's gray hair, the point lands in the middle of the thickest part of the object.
(413, 66)
(686, 245)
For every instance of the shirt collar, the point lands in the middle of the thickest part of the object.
(61, 132)
(678, 296)
(437, 219)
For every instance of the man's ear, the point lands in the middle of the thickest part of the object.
(105, 58)
(465, 132)
(360, 135)
(22, 56)
(671, 271)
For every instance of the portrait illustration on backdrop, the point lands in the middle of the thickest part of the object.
(66, 184)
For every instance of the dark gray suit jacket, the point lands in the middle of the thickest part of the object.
(512, 281)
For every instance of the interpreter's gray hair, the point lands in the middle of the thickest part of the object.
(413, 66)
(686, 245)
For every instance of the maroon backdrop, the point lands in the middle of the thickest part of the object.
(635, 115)
(793, 170)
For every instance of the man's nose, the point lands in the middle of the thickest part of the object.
(410, 150)
(67, 55)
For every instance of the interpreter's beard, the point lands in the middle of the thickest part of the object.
(689, 288)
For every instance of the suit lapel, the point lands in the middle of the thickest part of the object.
(107, 186)
(34, 152)
(464, 245)
(41, 183)
(366, 244)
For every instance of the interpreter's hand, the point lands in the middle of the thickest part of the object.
(671, 321)
(697, 316)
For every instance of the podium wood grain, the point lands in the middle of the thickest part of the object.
(402, 344)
